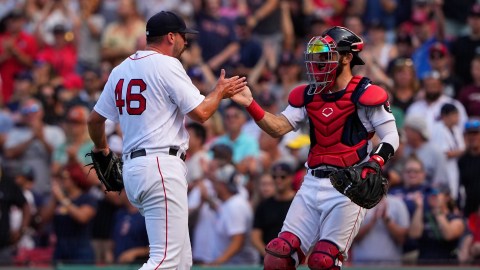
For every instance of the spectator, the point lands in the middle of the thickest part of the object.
(249, 51)
(51, 14)
(245, 148)
(412, 192)
(197, 157)
(215, 129)
(61, 54)
(405, 84)
(439, 59)
(379, 52)
(32, 143)
(330, 11)
(469, 94)
(125, 36)
(72, 210)
(271, 212)
(449, 139)
(129, 234)
(23, 89)
(433, 99)
(90, 93)
(382, 234)
(90, 25)
(464, 48)
(203, 205)
(234, 220)
(264, 18)
(441, 226)
(288, 76)
(427, 20)
(12, 195)
(266, 187)
(469, 168)
(16, 53)
(216, 36)
(455, 19)
(24, 179)
(417, 143)
(78, 143)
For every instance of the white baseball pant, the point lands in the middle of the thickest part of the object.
(157, 186)
(320, 212)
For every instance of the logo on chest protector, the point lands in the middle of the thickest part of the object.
(327, 112)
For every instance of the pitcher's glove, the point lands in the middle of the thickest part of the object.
(365, 192)
(108, 169)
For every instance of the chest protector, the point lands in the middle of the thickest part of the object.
(338, 137)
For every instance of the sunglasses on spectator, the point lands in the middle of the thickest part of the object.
(30, 109)
(413, 171)
(435, 56)
(232, 115)
(279, 176)
(403, 62)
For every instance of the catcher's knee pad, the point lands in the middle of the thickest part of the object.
(325, 256)
(280, 251)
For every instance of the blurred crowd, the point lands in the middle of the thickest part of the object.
(56, 55)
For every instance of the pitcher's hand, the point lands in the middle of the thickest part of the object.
(228, 87)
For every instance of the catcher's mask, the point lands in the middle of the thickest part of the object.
(322, 56)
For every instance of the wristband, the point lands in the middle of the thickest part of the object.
(255, 111)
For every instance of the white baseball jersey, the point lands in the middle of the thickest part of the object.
(149, 94)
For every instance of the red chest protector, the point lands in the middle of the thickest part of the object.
(338, 137)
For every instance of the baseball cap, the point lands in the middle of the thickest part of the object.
(282, 168)
(438, 189)
(437, 49)
(420, 17)
(77, 175)
(447, 109)
(27, 172)
(299, 141)
(164, 22)
(222, 152)
(77, 114)
(472, 126)
(475, 10)
(24, 76)
(226, 174)
(418, 124)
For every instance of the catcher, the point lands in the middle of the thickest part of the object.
(344, 173)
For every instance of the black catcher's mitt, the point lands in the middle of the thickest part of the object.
(108, 169)
(364, 192)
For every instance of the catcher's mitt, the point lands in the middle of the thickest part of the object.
(108, 169)
(364, 192)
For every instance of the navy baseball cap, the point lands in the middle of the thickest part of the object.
(164, 22)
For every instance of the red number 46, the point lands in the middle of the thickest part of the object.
(120, 102)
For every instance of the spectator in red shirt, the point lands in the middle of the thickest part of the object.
(62, 55)
(17, 51)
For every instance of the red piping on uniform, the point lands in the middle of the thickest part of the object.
(141, 57)
(356, 220)
(166, 216)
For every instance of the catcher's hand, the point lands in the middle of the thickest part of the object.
(365, 192)
(108, 169)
